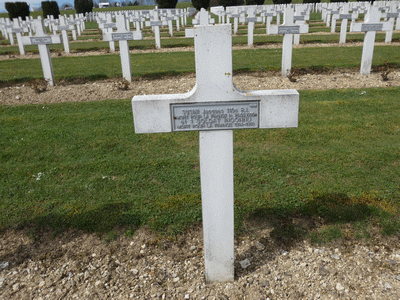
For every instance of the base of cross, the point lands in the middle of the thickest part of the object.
(215, 108)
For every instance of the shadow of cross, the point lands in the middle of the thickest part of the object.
(215, 108)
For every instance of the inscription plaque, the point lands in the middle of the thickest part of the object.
(41, 40)
(122, 36)
(63, 27)
(268, 14)
(345, 16)
(215, 116)
(154, 23)
(371, 27)
(288, 29)
(298, 18)
(253, 19)
(110, 25)
(18, 30)
(392, 15)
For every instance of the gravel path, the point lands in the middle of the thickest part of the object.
(77, 265)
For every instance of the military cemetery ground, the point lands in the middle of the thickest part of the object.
(103, 195)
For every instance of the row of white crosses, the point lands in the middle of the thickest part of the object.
(215, 108)
(153, 18)
(347, 11)
(62, 24)
(264, 13)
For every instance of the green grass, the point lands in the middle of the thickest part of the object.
(80, 165)
(175, 63)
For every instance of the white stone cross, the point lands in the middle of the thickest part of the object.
(123, 35)
(43, 40)
(168, 18)
(18, 30)
(268, 14)
(391, 15)
(397, 27)
(235, 15)
(10, 34)
(215, 107)
(251, 19)
(288, 28)
(107, 27)
(344, 15)
(202, 18)
(299, 18)
(64, 27)
(137, 20)
(370, 27)
(155, 23)
(72, 22)
(332, 15)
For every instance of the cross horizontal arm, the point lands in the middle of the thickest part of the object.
(277, 108)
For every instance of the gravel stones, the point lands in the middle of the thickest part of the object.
(105, 89)
(244, 263)
(173, 271)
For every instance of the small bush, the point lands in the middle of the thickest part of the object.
(311, 1)
(166, 3)
(50, 8)
(199, 4)
(282, 1)
(255, 2)
(226, 3)
(17, 9)
(339, 1)
(83, 6)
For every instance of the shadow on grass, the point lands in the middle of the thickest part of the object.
(100, 220)
(321, 220)
(290, 224)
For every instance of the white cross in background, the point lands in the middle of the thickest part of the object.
(43, 40)
(123, 35)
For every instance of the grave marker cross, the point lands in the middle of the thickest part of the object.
(123, 35)
(18, 30)
(43, 40)
(203, 18)
(155, 23)
(212, 105)
(370, 27)
(288, 28)
(251, 19)
(64, 27)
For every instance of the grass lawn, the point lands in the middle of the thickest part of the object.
(80, 165)
(175, 63)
